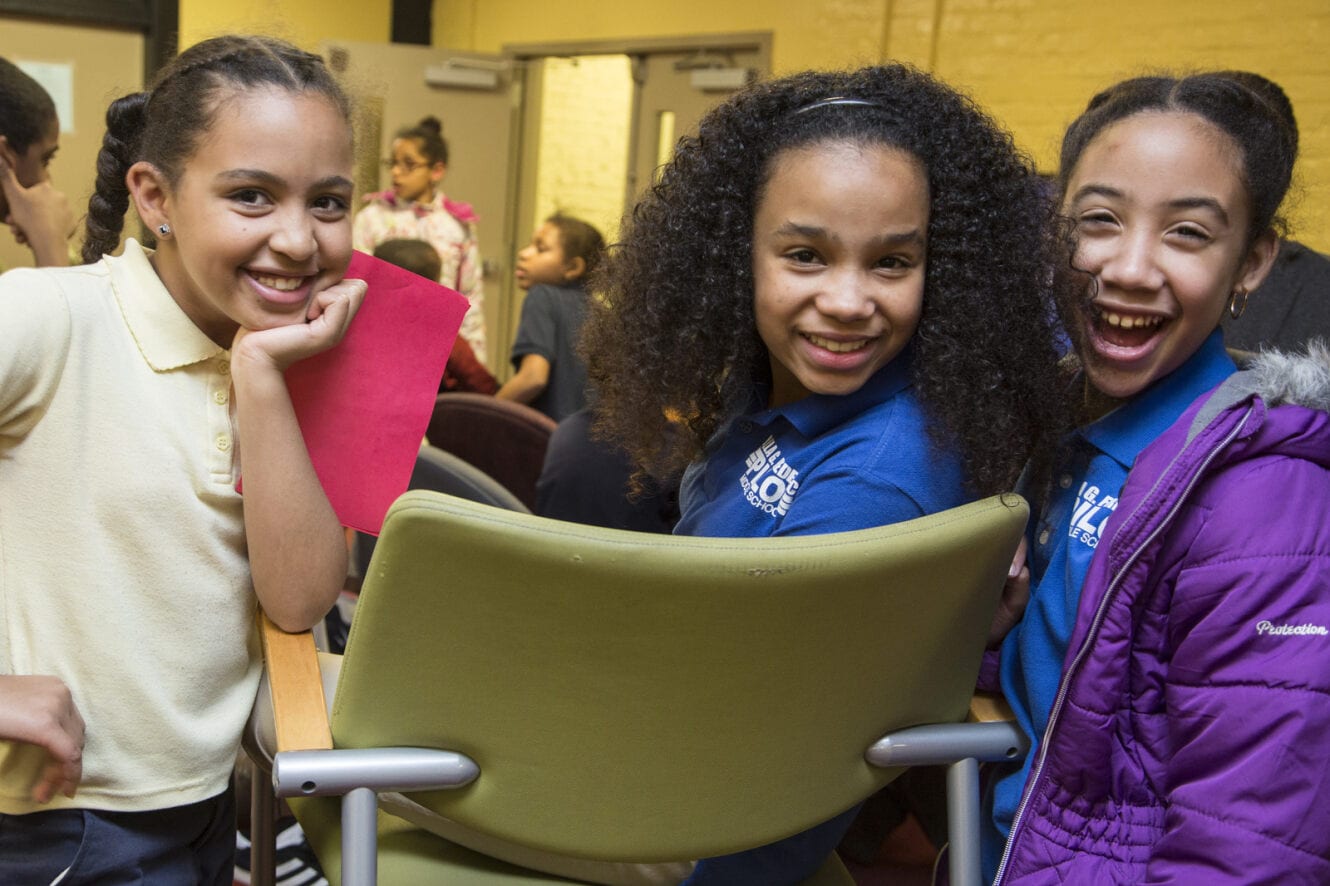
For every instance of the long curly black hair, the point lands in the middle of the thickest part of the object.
(674, 341)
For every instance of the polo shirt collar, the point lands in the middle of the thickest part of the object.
(815, 414)
(165, 335)
(1125, 431)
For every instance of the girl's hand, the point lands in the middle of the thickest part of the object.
(327, 319)
(1015, 595)
(39, 218)
(41, 711)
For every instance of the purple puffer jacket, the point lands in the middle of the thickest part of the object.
(1190, 739)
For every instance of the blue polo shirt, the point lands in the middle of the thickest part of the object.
(1091, 468)
(821, 464)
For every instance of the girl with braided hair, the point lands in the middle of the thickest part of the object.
(130, 390)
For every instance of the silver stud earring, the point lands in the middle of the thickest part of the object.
(164, 229)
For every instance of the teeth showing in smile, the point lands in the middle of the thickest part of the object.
(285, 284)
(836, 347)
(1118, 320)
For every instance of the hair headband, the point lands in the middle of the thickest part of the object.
(839, 100)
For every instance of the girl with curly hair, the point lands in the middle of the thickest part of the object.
(839, 289)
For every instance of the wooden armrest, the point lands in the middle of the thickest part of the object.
(989, 707)
(300, 713)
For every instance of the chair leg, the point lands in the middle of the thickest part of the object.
(262, 838)
(963, 822)
(360, 809)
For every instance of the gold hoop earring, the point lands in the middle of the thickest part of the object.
(1237, 303)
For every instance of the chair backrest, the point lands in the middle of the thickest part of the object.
(441, 471)
(631, 696)
(504, 439)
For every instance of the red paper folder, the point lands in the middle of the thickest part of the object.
(364, 405)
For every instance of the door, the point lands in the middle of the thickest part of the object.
(476, 97)
(674, 90)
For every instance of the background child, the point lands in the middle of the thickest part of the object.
(1189, 608)
(839, 285)
(551, 375)
(463, 371)
(38, 215)
(416, 208)
(129, 390)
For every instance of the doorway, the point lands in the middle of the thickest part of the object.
(599, 118)
(579, 127)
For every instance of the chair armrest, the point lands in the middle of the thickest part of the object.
(300, 709)
(322, 773)
(945, 743)
(989, 707)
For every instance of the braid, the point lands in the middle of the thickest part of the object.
(110, 197)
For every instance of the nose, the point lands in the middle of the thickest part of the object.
(846, 296)
(294, 236)
(1126, 262)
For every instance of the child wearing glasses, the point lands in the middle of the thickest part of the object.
(415, 208)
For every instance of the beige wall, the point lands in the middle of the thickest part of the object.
(106, 63)
(1032, 63)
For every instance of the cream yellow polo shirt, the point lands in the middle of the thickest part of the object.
(123, 568)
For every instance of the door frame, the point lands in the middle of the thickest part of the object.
(158, 20)
(527, 55)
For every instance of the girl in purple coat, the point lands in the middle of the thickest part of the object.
(1173, 664)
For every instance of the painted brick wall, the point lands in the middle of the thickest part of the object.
(1034, 64)
(586, 105)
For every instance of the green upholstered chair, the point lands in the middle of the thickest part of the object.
(571, 691)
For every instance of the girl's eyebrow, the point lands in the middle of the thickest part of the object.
(1206, 203)
(1201, 203)
(892, 238)
(1093, 190)
(267, 178)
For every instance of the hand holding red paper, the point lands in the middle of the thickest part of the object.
(364, 405)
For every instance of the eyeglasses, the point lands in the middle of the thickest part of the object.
(407, 166)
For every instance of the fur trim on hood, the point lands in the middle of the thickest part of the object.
(1299, 378)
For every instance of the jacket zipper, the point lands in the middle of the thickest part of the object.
(1095, 625)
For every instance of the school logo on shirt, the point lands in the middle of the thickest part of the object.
(1093, 508)
(770, 482)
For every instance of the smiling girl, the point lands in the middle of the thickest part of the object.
(839, 287)
(130, 391)
(1173, 665)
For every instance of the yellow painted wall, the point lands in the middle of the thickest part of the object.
(808, 33)
(306, 23)
(1032, 63)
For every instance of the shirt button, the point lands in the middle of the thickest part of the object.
(1065, 481)
(224, 367)
(745, 427)
(1043, 537)
(223, 442)
(219, 397)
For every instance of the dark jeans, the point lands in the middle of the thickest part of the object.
(166, 847)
